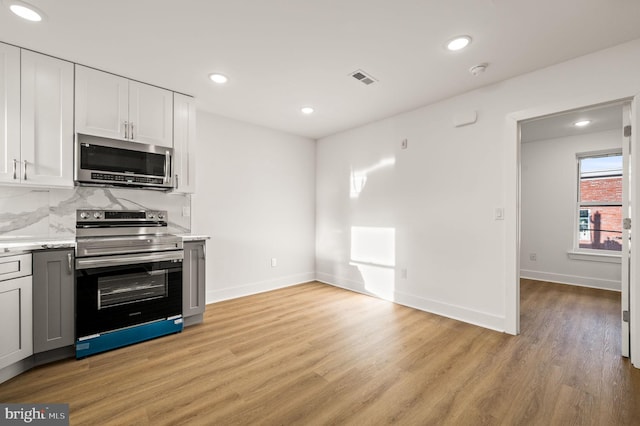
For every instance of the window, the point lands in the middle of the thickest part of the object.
(599, 207)
(585, 234)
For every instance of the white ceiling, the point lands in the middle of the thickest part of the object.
(602, 118)
(283, 54)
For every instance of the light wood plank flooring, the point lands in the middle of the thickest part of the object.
(313, 354)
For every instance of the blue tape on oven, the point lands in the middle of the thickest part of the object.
(127, 336)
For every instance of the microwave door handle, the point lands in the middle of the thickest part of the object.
(167, 166)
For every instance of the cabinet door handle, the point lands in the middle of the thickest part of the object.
(70, 262)
(25, 169)
(132, 134)
(204, 250)
(15, 169)
(177, 184)
(126, 130)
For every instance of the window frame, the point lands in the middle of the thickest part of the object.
(590, 253)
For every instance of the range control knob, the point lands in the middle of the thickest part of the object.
(160, 216)
(84, 215)
(151, 216)
(97, 215)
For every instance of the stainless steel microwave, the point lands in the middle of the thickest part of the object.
(112, 162)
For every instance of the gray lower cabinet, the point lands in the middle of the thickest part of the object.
(15, 312)
(193, 282)
(53, 299)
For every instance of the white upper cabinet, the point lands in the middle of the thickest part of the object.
(37, 118)
(46, 150)
(184, 140)
(115, 107)
(150, 114)
(102, 103)
(9, 112)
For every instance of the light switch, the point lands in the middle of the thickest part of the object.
(499, 213)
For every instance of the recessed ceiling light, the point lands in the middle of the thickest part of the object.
(307, 110)
(218, 78)
(582, 123)
(458, 43)
(26, 11)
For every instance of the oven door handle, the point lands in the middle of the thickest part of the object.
(127, 259)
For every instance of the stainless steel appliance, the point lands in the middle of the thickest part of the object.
(128, 279)
(112, 162)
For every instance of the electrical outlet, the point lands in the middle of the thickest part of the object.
(533, 257)
(274, 262)
(186, 211)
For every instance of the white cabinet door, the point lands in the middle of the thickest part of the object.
(46, 121)
(184, 141)
(151, 114)
(9, 112)
(114, 107)
(15, 320)
(102, 103)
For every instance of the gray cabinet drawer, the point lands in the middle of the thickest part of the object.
(15, 266)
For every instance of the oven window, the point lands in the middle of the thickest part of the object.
(130, 288)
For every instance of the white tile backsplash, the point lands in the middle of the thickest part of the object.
(23, 211)
(51, 213)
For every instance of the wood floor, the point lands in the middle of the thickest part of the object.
(313, 354)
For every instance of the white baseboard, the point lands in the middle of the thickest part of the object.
(258, 287)
(458, 313)
(572, 280)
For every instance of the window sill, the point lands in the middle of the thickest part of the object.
(595, 257)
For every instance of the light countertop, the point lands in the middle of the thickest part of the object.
(18, 244)
(193, 237)
(8, 245)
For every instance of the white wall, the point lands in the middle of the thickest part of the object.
(441, 194)
(548, 191)
(255, 197)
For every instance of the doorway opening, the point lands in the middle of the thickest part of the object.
(574, 193)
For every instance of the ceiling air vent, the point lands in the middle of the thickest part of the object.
(363, 77)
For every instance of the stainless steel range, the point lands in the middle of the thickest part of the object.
(128, 279)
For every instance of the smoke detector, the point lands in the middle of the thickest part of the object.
(478, 69)
(363, 77)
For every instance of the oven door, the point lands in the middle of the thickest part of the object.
(114, 292)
